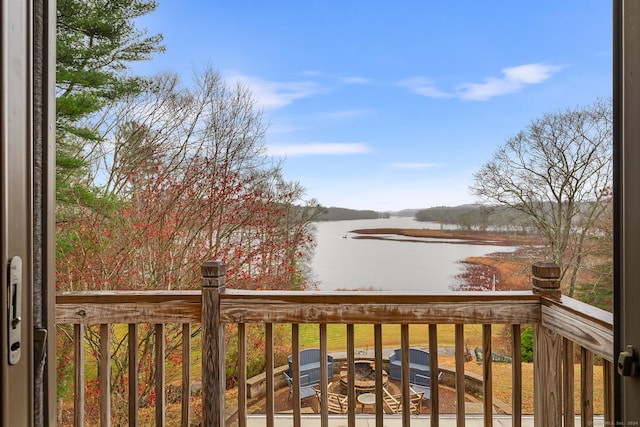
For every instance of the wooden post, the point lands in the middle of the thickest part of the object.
(547, 358)
(213, 348)
(546, 279)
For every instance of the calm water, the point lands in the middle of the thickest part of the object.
(342, 262)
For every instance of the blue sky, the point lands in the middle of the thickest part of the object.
(390, 105)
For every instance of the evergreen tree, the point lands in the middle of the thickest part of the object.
(96, 41)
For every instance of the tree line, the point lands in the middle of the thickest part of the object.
(478, 217)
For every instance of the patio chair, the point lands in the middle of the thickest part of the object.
(422, 384)
(336, 403)
(419, 361)
(310, 364)
(393, 403)
(306, 389)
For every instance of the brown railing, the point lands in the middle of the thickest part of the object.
(560, 325)
(107, 309)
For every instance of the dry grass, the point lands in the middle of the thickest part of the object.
(501, 376)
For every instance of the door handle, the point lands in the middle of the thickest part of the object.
(14, 309)
(628, 365)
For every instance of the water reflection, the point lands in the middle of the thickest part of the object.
(395, 263)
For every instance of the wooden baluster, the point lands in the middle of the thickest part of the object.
(607, 376)
(186, 375)
(324, 400)
(78, 383)
(133, 374)
(460, 389)
(270, 404)
(105, 376)
(213, 351)
(406, 404)
(547, 372)
(569, 387)
(242, 375)
(161, 407)
(586, 387)
(351, 385)
(377, 338)
(295, 374)
(487, 375)
(434, 401)
(516, 376)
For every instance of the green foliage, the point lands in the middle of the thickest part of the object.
(596, 294)
(526, 343)
(95, 42)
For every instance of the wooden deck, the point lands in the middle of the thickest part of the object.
(561, 325)
(396, 421)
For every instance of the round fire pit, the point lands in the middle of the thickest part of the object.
(365, 377)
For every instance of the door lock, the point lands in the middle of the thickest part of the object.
(14, 309)
(628, 363)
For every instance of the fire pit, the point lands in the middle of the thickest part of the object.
(365, 377)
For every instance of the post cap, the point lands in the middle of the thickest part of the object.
(213, 268)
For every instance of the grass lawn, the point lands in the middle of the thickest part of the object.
(364, 339)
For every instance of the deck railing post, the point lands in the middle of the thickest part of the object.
(213, 348)
(547, 359)
(546, 279)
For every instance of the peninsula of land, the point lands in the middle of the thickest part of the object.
(500, 270)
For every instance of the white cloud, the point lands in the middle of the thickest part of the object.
(355, 80)
(312, 73)
(514, 80)
(271, 95)
(425, 87)
(414, 165)
(295, 150)
(345, 114)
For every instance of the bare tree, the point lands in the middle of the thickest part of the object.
(185, 177)
(558, 171)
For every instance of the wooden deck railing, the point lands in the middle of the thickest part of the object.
(133, 309)
(561, 324)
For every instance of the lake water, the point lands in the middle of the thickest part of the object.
(342, 262)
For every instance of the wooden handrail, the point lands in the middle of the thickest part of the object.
(560, 324)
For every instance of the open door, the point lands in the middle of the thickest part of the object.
(626, 91)
(27, 292)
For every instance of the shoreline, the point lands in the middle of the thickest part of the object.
(500, 271)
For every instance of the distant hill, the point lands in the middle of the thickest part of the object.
(340, 214)
(406, 213)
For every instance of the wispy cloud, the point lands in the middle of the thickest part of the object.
(425, 87)
(296, 150)
(514, 79)
(312, 73)
(345, 114)
(355, 80)
(271, 95)
(410, 165)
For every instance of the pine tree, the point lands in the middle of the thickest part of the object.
(96, 42)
